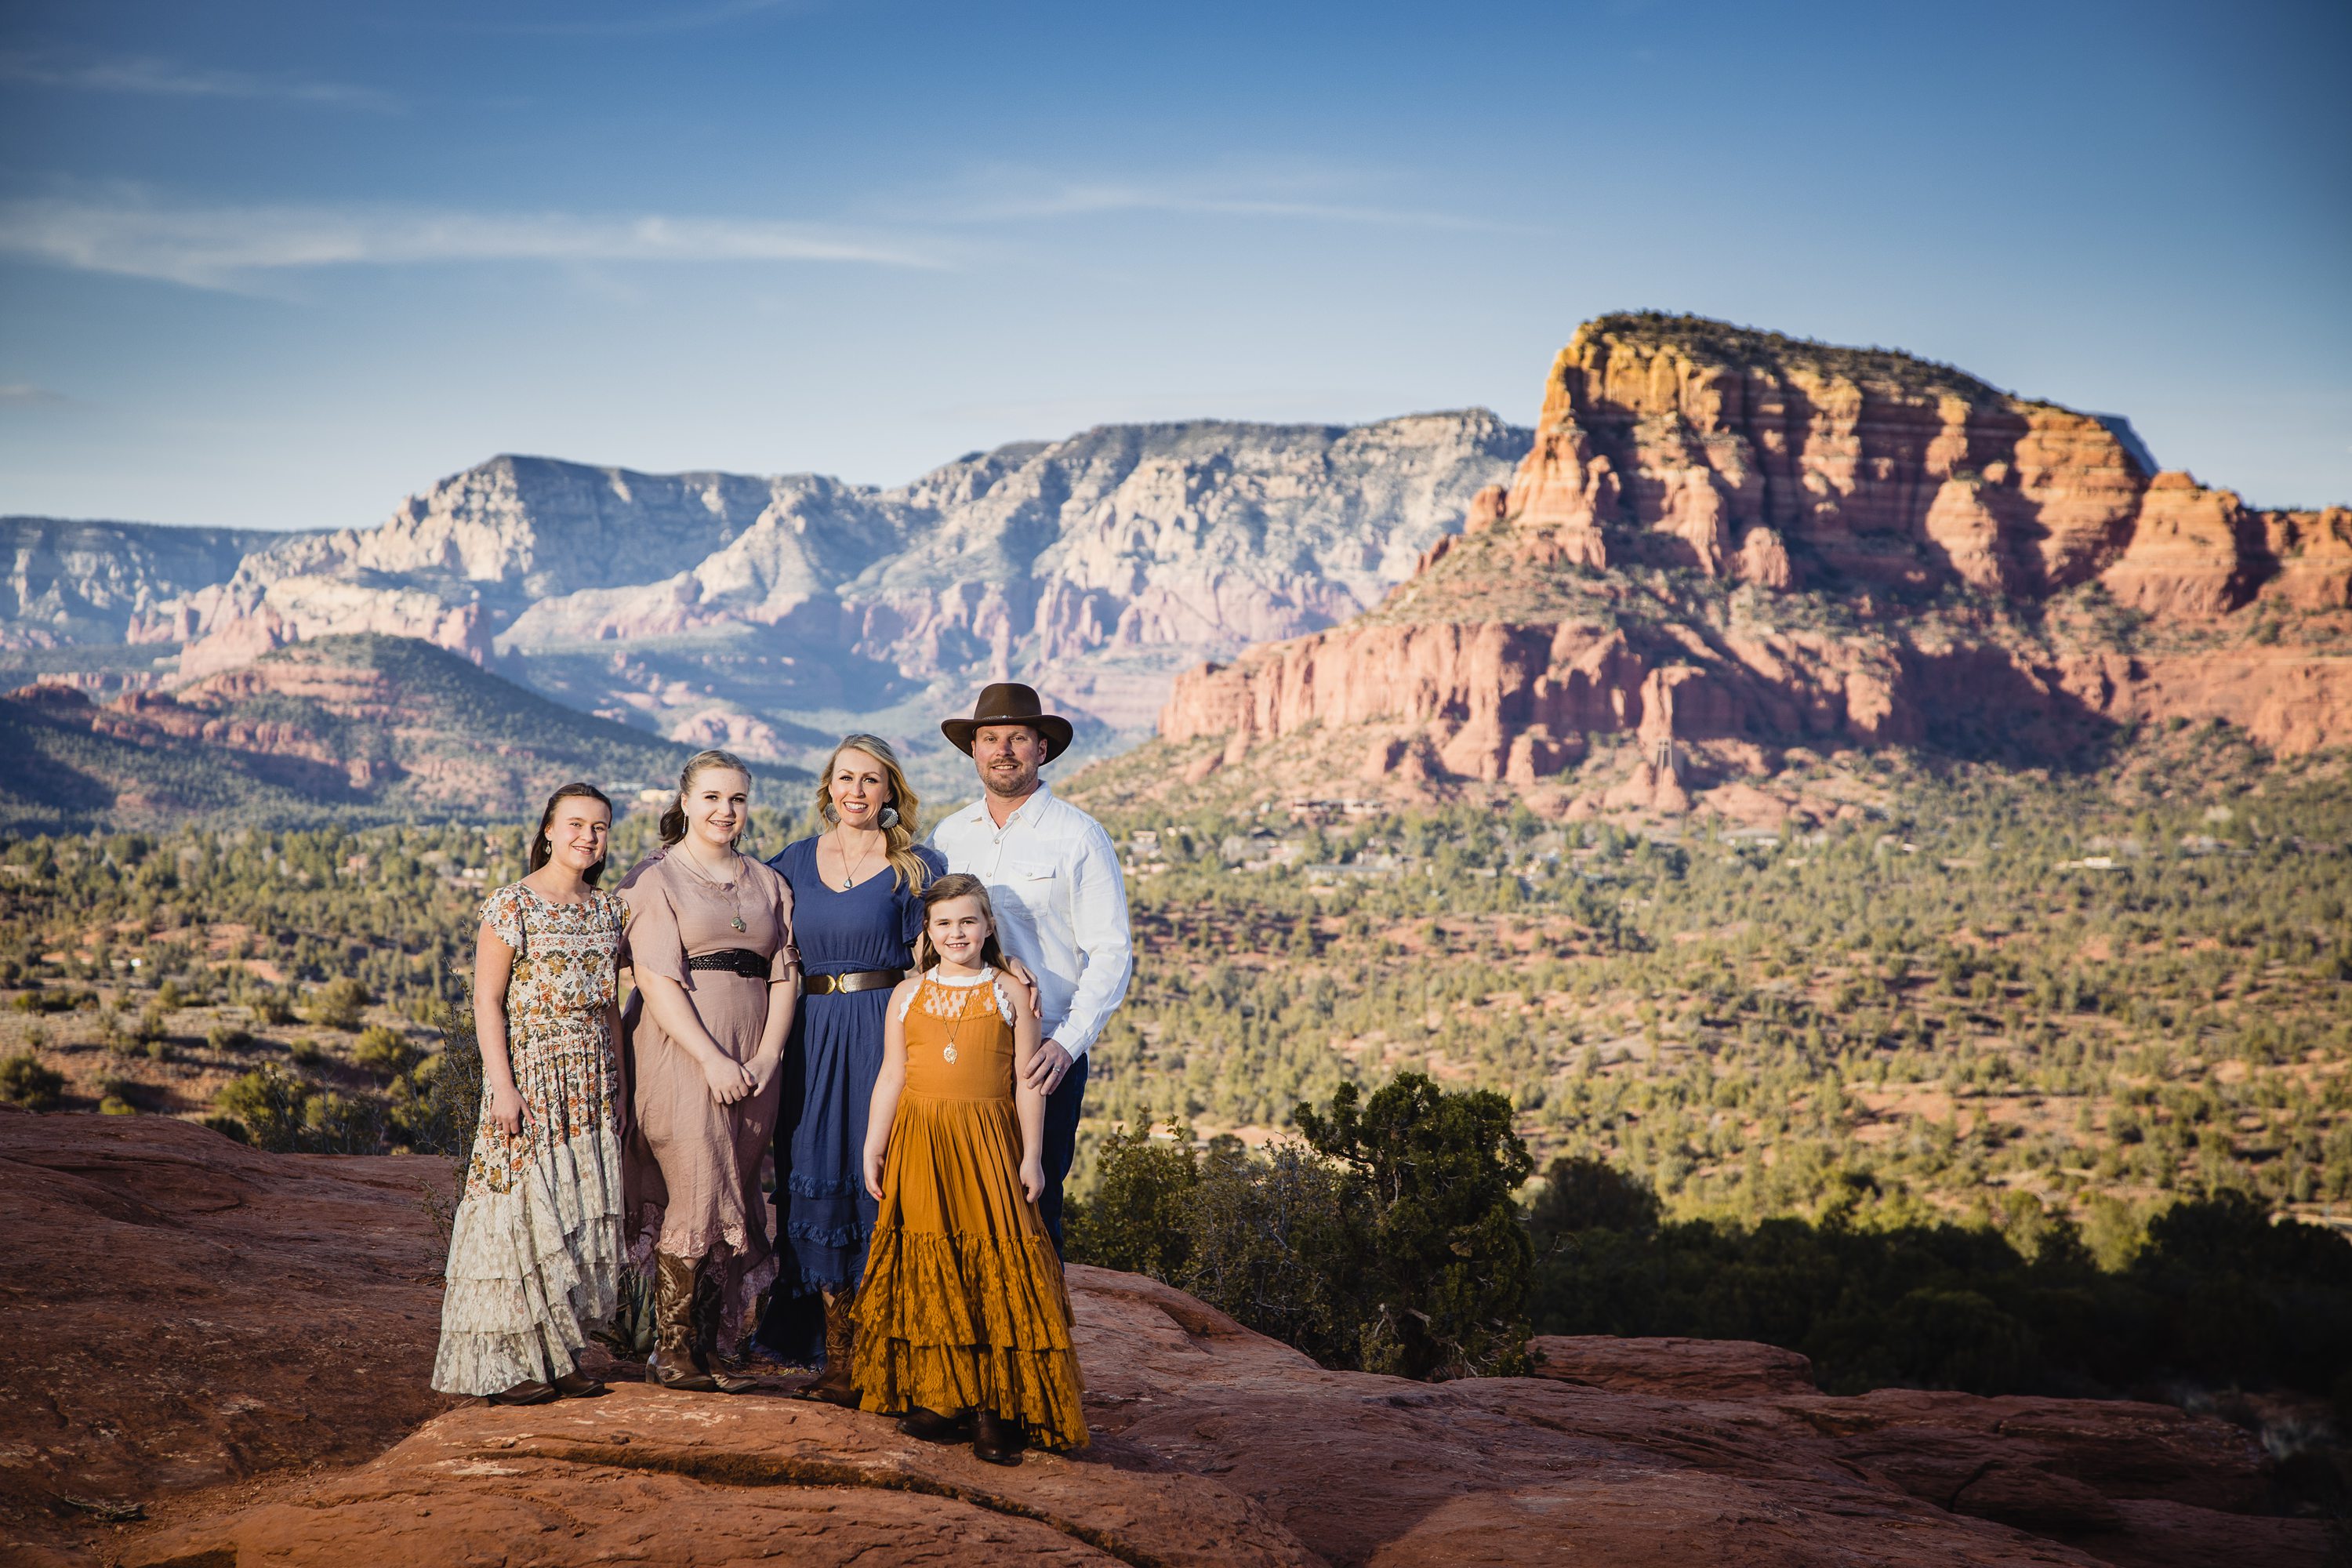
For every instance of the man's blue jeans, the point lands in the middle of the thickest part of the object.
(1061, 1144)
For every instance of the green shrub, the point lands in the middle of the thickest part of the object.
(1389, 1240)
(229, 1127)
(1137, 1219)
(1584, 1193)
(47, 1001)
(1446, 1260)
(227, 1037)
(27, 1081)
(269, 1104)
(1273, 1242)
(337, 1004)
(336, 1124)
(385, 1051)
(273, 1009)
(305, 1051)
(446, 1099)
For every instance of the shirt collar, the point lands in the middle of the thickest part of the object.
(1027, 812)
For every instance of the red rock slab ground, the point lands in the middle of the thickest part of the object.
(2132, 1484)
(646, 1475)
(193, 1323)
(180, 1310)
(1691, 1369)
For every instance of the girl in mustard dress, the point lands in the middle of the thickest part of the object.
(963, 1313)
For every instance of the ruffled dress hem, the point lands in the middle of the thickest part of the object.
(532, 1270)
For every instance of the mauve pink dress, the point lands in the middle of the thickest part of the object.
(690, 1173)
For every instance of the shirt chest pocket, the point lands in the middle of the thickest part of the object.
(1033, 881)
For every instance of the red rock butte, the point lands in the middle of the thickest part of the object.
(1726, 545)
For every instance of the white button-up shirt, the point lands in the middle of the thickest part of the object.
(1061, 906)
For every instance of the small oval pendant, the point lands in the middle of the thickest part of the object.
(737, 922)
(948, 1053)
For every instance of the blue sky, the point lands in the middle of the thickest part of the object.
(282, 264)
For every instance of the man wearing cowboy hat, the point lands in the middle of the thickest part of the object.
(1061, 903)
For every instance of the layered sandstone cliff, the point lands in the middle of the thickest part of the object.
(724, 608)
(1724, 544)
(69, 582)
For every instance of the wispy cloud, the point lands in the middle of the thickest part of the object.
(578, 23)
(1092, 199)
(1309, 193)
(24, 395)
(233, 247)
(169, 78)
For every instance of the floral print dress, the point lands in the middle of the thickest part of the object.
(535, 1251)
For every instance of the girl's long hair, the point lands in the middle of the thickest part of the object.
(673, 821)
(542, 849)
(901, 835)
(958, 885)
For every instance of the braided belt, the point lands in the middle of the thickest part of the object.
(740, 960)
(857, 980)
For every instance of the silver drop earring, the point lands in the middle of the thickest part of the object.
(888, 817)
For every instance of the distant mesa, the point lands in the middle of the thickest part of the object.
(1727, 548)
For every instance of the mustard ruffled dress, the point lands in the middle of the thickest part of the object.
(963, 1306)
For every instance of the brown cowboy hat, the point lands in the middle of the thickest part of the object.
(1010, 702)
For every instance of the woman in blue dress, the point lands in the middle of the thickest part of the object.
(857, 890)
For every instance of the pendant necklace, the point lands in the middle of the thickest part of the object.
(848, 871)
(963, 1016)
(734, 889)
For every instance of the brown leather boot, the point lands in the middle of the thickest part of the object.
(674, 1364)
(531, 1391)
(832, 1385)
(995, 1439)
(578, 1384)
(708, 1310)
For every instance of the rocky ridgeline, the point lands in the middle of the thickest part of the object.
(249, 1371)
(71, 583)
(381, 726)
(1725, 546)
(720, 608)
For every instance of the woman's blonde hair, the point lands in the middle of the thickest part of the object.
(673, 821)
(903, 827)
(957, 885)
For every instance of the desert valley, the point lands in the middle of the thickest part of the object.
(1883, 842)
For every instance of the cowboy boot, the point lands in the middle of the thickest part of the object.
(674, 1364)
(996, 1439)
(832, 1385)
(578, 1384)
(708, 1310)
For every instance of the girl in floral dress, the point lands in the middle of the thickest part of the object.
(535, 1252)
(963, 1313)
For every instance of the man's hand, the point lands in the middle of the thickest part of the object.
(1018, 972)
(1048, 1067)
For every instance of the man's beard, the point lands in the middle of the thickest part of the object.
(1019, 780)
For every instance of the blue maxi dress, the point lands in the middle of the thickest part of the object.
(824, 1215)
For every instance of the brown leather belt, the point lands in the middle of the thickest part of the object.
(857, 980)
